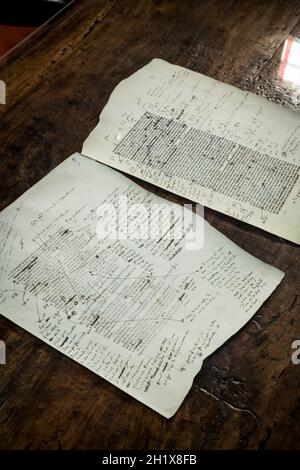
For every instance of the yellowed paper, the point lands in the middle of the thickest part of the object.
(142, 313)
(207, 141)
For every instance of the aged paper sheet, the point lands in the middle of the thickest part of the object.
(141, 313)
(210, 142)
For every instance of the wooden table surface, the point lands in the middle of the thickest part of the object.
(247, 394)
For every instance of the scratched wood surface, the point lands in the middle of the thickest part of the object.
(248, 393)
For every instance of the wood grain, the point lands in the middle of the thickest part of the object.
(248, 393)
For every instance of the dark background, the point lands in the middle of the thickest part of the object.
(247, 395)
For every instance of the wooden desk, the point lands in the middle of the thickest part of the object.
(248, 393)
